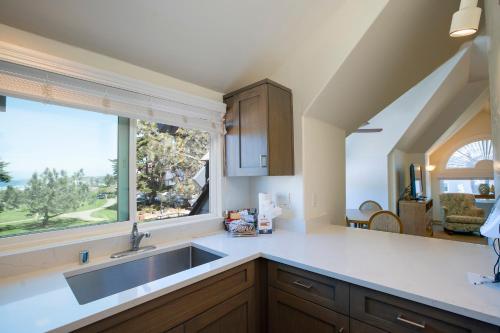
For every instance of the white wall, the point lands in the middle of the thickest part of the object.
(287, 192)
(367, 163)
(236, 193)
(492, 14)
(324, 178)
(396, 175)
(399, 174)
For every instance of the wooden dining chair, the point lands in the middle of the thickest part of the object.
(385, 220)
(370, 205)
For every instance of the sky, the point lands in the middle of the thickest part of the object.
(35, 136)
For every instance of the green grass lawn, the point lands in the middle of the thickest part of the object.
(33, 226)
(96, 204)
(108, 214)
(14, 215)
(21, 214)
(16, 222)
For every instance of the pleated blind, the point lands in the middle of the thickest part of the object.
(26, 82)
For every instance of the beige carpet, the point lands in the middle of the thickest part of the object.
(465, 237)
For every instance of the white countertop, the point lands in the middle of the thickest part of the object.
(426, 270)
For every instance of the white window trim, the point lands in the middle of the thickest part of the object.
(31, 58)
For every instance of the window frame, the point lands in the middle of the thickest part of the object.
(456, 149)
(461, 179)
(30, 58)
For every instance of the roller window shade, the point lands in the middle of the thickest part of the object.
(26, 82)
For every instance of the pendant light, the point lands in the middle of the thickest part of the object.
(465, 21)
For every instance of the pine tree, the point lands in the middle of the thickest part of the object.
(53, 193)
(167, 160)
(4, 175)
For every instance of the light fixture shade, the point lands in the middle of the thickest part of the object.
(430, 167)
(491, 228)
(465, 22)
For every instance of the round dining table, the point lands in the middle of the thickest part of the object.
(359, 218)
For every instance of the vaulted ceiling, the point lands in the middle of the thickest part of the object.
(218, 44)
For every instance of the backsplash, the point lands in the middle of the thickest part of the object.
(56, 255)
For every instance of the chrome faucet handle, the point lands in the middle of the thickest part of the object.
(136, 237)
(135, 230)
(135, 241)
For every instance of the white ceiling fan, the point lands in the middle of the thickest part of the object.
(367, 130)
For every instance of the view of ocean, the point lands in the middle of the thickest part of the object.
(17, 183)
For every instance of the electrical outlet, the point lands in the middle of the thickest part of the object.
(283, 201)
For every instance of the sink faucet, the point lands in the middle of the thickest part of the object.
(135, 241)
(136, 237)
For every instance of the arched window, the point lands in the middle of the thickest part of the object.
(467, 156)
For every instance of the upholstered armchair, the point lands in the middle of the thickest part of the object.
(460, 212)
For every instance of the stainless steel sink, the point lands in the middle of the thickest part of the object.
(99, 283)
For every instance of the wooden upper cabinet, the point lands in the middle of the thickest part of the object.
(259, 125)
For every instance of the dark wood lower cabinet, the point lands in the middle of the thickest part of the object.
(292, 314)
(177, 329)
(394, 314)
(236, 315)
(174, 311)
(262, 296)
(360, 327)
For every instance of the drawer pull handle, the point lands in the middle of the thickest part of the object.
(302, 284)
(409, 322)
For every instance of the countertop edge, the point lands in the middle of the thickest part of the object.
(481, 316)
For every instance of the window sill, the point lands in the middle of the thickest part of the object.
(87, 236)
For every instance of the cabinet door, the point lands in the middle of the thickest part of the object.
(280, 134)
(359, 327)
(246, 138)
(236, 315)
(291, 314)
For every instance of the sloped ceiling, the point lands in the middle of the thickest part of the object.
(426, 132)
(459, 92)
(218, 44)
(481, 103)
(407, 41)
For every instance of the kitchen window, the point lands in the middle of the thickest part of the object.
(172, 171)
(463, 185)
(60, 168)
(75, 153)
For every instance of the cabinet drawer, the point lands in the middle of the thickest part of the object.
(168, 311)
(292, 314)
(322, 290)
(395, 314)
